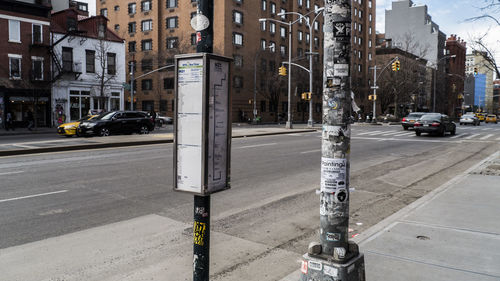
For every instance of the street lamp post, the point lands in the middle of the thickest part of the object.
(435, 77)
(310, 25)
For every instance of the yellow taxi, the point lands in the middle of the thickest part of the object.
(70, 129)
(481, 116)
(491, 118)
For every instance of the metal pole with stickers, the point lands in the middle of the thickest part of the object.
(335, 257)
(202, 131)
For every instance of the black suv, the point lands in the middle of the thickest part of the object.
(117, 122)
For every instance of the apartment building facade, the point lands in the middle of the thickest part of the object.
(25, 61)
(156, 30)
(483, 71)
(456, 48)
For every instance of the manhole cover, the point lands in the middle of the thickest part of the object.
(422, 237)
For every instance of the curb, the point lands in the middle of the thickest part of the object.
(124, 144)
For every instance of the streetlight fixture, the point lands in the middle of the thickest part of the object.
(310, 122)
(435, 77)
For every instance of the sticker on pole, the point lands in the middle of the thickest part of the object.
(200, 22)
(333, 174)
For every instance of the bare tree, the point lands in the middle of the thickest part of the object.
(481, 47)
(105, 72)
(489, 8)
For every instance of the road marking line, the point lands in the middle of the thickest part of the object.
(310, 151)
(370, 132)
(472, 136)
(458, 136)
(404, 134)
(257, 145)
(375, 133)
(486, 137)
(11, 173)
(485, 129)
(392, 133)
(32, 196)
(24, 146)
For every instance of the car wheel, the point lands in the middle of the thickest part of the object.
(104, 132)
(418, 133)
(443, 132)
(144, 130)
(454, 131)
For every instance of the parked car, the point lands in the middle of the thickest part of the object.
(70, 129)
(117, 122)
(434, 123)
(409, 120)
(165, 119)
(469, 118)
(491, 118)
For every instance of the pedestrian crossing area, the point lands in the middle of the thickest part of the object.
(462, 133)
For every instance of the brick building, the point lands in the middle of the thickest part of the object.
(25, 61)
(156, 30)
(456, 75)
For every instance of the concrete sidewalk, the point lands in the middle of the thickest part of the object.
(452, 233)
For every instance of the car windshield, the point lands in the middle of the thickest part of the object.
(431, 117)
(415, 115)
(106, 116)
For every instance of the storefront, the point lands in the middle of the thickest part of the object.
(20, 102)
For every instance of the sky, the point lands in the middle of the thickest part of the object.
(451, 17)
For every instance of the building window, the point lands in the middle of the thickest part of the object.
(283, 50)
(117, 8)
(264, 5)
(147, 45)
(163, 105)
(263, 44)
(89, 61)
(117, 27)
(14, 31)
(308, 38)
(272, 27)
(308, 4)
(132, 46)
(168, 83)
(172, 42)
(272, 46)
(111, 63)
(193, 39)
(316, 42)
(147, 84)
(283, 32)
(131, 8)
(300, 36)
(146, 6)
(15, 66)
(316, 25)
(300, 52)
(238, 39)
(263, 65)
(238, 82)
(146, 64)
(263, 25)
(171, 4)
(131, 27)
(37, 68)
(104, 12)
(300, 2)
(272, 66)
(67, 59)
(37, 34)
(172, 22)
(147, 25)
(273, 8)
(238, 60)
(237, 17)
(282, 12)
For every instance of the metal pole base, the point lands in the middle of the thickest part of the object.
(322, 269)
(310, 123)
(289, 125)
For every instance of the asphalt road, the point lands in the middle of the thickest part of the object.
(272, 199)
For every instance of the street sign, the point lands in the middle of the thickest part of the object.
(202, 132)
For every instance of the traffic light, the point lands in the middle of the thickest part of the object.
(309, 96)
(398, 65)
(372, 97)
(306, 96)
(282, 71)
(475, 71)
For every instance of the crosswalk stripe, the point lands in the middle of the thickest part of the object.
(486, 137)
(485, 129)
(404, 134)
(458, 136)
(375, 133)
(471, 136)
(369, 132)
(392, 133)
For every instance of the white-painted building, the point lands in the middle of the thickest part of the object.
(88, 66)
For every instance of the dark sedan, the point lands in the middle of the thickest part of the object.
(434, 123)
(117, 122)
(410, 120)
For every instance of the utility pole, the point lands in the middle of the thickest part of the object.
(375, 87)
(335, 257)
(289, 120)
(132, 66)
(201, 251)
